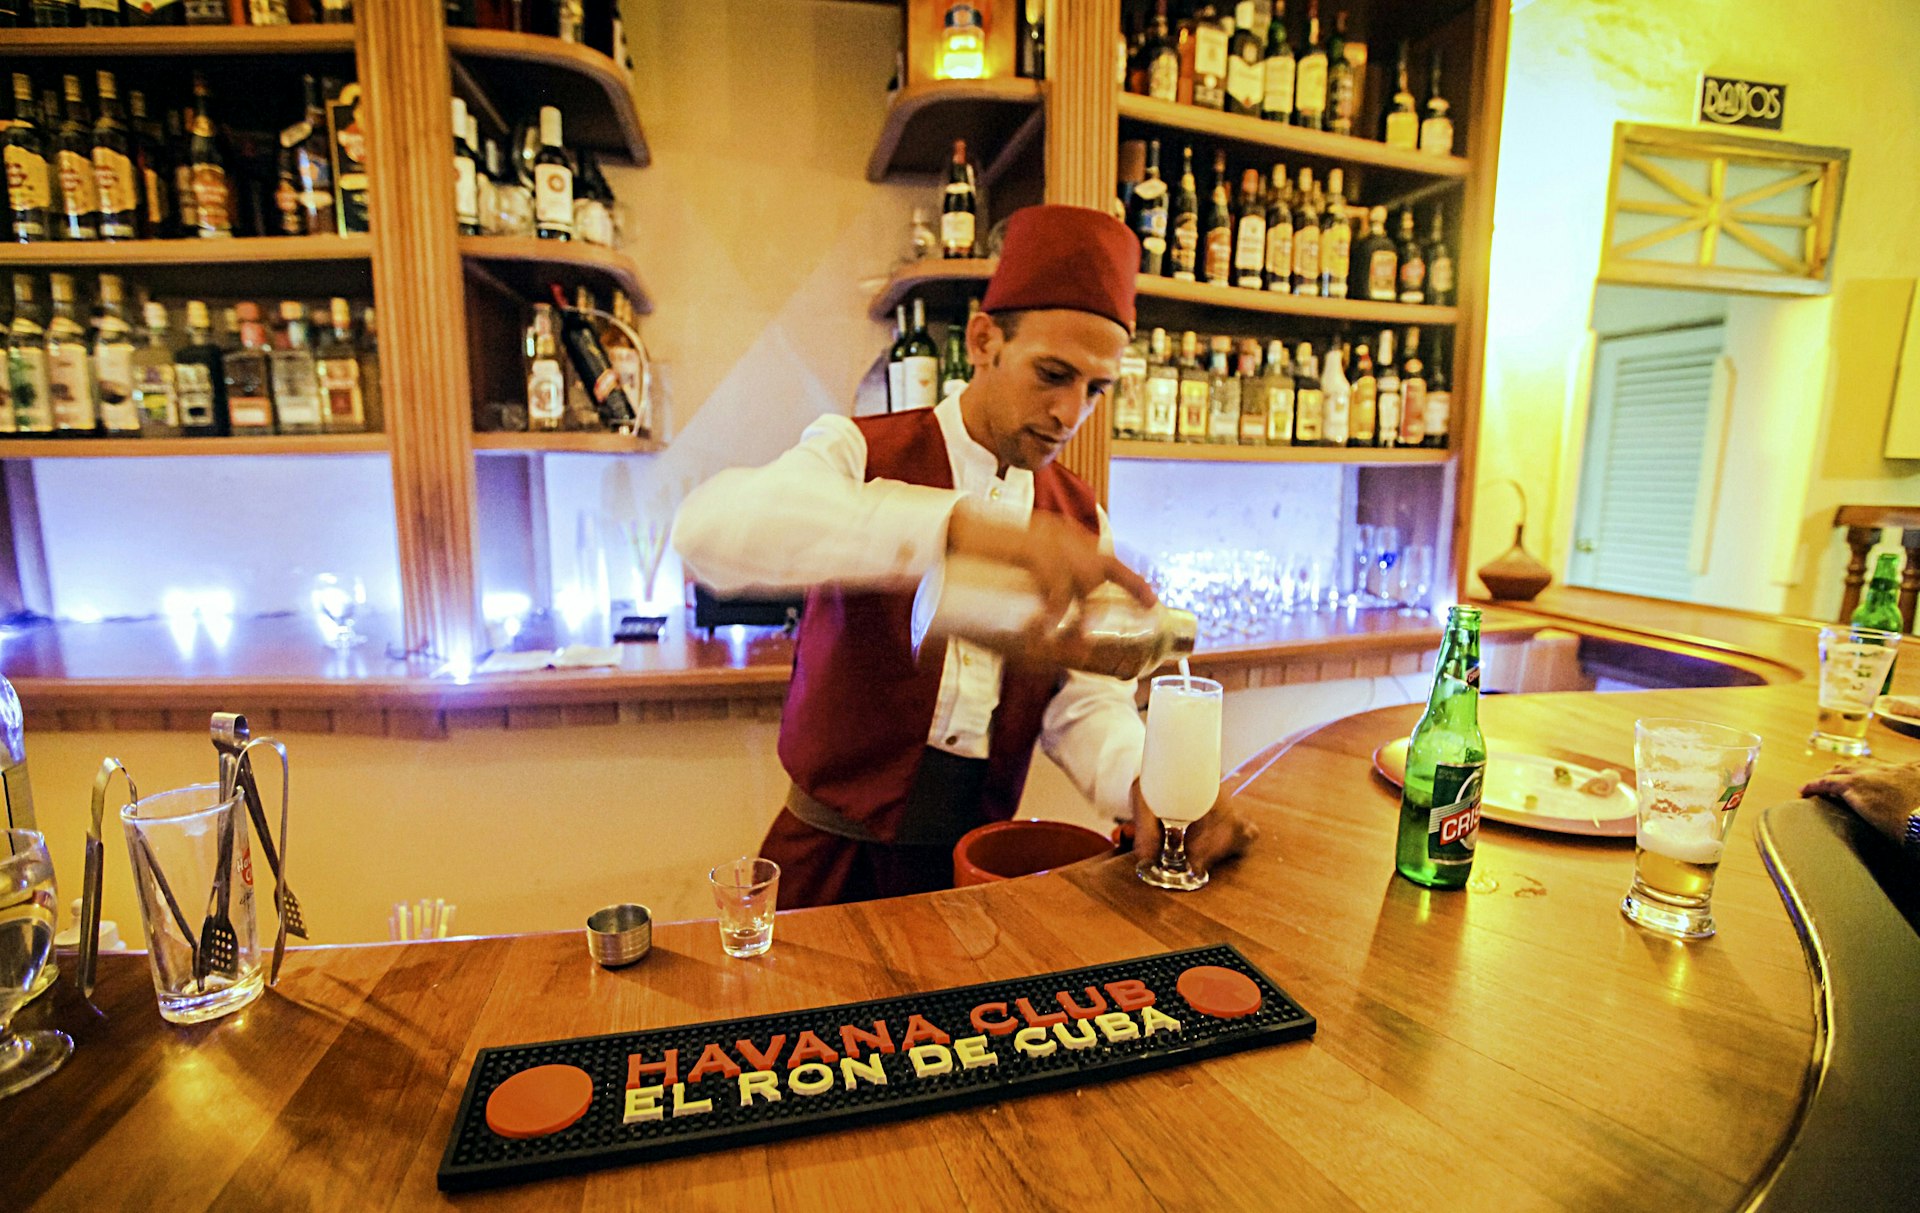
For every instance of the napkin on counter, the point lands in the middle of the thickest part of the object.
(567, 657)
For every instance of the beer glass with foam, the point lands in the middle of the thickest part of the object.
(1691, 776)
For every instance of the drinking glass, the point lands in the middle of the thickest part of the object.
(1413, 578)
(1854, 663)
(28, 903)
(1691, 776)
(1180, 772)
(193, 869)
(746, 890)
(336, 601)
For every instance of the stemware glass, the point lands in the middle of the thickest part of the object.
(1180, 772)
(28, 914)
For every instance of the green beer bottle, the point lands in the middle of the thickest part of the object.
(1446, 765)
(1881, 607)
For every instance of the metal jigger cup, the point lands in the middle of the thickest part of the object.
(619, 934)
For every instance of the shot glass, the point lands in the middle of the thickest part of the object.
(1854, 663)
(1691, 776)
(745, 891)
(193, 869)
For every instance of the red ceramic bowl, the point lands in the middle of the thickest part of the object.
(1004, 850)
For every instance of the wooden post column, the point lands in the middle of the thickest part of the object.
(1082, 156)
(406, 94)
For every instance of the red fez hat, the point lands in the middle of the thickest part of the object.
(1067, 257)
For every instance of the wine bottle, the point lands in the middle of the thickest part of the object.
(897, 362)
(212, 193)
(552, 182)
(958, 206)
(1413, 262)
(1184, 221)
(920, 362)
(591, 363)
(1219, 229)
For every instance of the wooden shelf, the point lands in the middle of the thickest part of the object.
(243, 265)
(934, 277)
(925, 119)
(526, 264)
(1201, 452)
(180, 40)
(578, 444)
(519, 73)
(263, 444)
(1395, 170)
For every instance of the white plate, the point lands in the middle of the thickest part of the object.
(1522, 790)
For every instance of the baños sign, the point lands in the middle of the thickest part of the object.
(1728, 102)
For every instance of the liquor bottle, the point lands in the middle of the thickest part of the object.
(958, 206)
(1306, 237)
(1309, 406)
(1336, 398)
(1148, 216)
(1162, 393)
(1184, 221)
(1162, 56)
(920, 362)
(572, 21)
(1880, 607)
(268, 12)
(591, 365)
(1413, 262)
(1218, 242)
(117, 196)
(149, 169)
(1336, 240)
(336, 12)
(1310, 76)
(1278, 265)
(208, 12)
(897, 362)
(1363, 414)
(186, 215)
(156, 12)
(69, 365)
(1436, 129)
(343, 405)
(113, 361)
(199, 373)
(1253, 396)
(552, 182)
(100, 13)
(1211, 37)
(956, 370)
(29, 181)
(56, 14)
(1386, 392)
(1413, 393)
(1280, 394)
(1223, 393)
(1376, 261)
(1195, 398)
(249, 375)
(27, 362)
(369, 345)
(296, 378)
(466, 189)
(1342, 84)
(1440, 288)
(1129, 390)
(212, 192)
(1401, 126)
(1246, 81)
(1446, 765)
(546, 385)
(73, 149)
(485, 192)
(1276, 103)
(592, 202)
(156, 391)
(1250, 234)
(313, 163)
(1439, 400)
(627, 363)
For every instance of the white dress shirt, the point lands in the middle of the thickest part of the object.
(811, 517)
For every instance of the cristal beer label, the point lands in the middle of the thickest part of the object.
(1455, 818)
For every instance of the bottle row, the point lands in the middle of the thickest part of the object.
(65, 14)
(1299, 239)
(1251, 63)
(585, 371)
(918, 374)
(311, 373)
(561, 195)
(1350, 394)
(125, 176)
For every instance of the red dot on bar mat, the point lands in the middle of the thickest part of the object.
(536, 1102)
(1221, 993)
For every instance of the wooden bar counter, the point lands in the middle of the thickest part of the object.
(1517, 1045)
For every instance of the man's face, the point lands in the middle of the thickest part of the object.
(1037, 386)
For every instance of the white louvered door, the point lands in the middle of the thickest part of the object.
(1645, 483)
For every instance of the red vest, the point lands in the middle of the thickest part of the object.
(859, 706)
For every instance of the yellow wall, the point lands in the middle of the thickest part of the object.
(1815, 378)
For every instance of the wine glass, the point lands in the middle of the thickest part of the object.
(1180, 772)
(337, 600)
(27, 920)
(1415, 577)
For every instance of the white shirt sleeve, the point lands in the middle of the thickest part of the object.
(811, 517)
(1093, 731)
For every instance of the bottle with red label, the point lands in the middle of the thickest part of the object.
(1446, 766)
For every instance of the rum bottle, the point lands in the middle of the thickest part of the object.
(113, 172)
(113, 361)
(249, 375)
(156, 392)
(69, 365)
(200, 375)
(29, 181)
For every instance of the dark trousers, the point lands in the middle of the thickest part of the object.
(822, 869)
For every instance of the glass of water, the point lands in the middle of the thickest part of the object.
(745, 890)
(28, 904)
(336, 601)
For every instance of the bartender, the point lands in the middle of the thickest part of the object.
(894, 755)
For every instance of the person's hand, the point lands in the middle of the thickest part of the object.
(1219, 836)
(1883, 794)
(1064, 559)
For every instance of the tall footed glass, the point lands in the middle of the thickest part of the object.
(194, 871)
(1180, 772)
(28, 904)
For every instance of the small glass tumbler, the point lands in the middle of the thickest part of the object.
(193, 868)
(1690, 776)
(1854, 663)
(745, 890)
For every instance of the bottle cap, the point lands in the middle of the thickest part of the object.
(550, 125)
